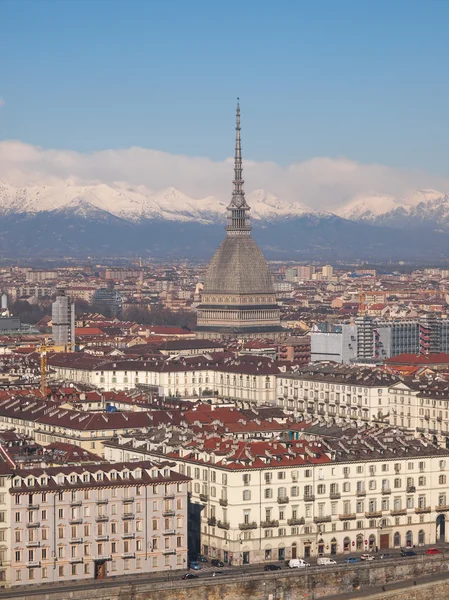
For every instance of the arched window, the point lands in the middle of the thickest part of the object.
(346, 544)
(409, 539)
(421, 537)
(397, 539)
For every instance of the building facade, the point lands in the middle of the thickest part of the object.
(63, 321)
(88, 522)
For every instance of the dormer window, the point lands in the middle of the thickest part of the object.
(30, 482)
(100, 477)
(60, 479)
(44, 481)
(166, 472)
(17, 482)
(138, 473)
(125, 475)
(86, 477)
(154, 473)
(72, 478)
(113, 475)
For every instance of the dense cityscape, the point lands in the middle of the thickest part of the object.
(191, 417)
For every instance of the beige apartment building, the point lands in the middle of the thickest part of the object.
(335, 392)
(241, 378)
(352, 491)
(90, 522)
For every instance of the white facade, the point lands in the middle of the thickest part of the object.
(340, 347)
(250, 515)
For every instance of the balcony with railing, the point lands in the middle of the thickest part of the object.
(169, 532)
(335, 495)
(398, 512)
(101, 518)
(386, 490)
(442, 508)
(33, 506)
(411, 489)
(76, 540)
(204, 497)
(101, 538)
(102, 557)
(223, 525)
(212, 521)
(168, 513)
(270, 523)
(128, 555)
(128, 536)
(33, 524)
(76, 560)
(169, 496)
(423, 509)
(128, 500)
(322, 519)
(245, 526)
(32, 564)
(347, 516)
(32, 544)
(74, 503)
(309, 498)
(296, 521)
(169, 551)
(283, 500)
(102, 500)
(128, 516)
(223, 501)
(76, 521)
(361, 493)
(373, 514)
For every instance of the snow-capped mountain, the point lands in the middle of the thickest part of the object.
(135, 203)
(374, 206)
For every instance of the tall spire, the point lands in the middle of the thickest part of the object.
(238, 169)
(238, 210)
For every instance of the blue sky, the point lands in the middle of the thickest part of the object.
(364, 79)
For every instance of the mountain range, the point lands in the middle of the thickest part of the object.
(67, 219)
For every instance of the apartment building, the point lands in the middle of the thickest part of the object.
(332, 392)
(90, 521)
(47, 422)
(243, 377)
(333, 491)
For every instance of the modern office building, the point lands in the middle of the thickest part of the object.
(63, 321)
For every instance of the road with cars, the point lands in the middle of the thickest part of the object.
(209, 572)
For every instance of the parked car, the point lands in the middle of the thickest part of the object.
(433, 551)
(352, 559)
(190, 576)
(195, 565)
(216, 563)
(272, 568)
(386, 555)
(201, 558)
(367, 557)
(408, 553)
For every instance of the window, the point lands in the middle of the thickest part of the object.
(246, 494)
(442, 479)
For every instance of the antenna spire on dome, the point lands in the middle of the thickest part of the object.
(238, 169)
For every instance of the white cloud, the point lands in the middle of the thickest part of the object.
(321, 183)
(2, 102)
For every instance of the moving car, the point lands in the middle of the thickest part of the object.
(324, 561)
(216, 573)
(408, 553)
(352, 559)
(195, 565)
(190, 576)
(367, 557)
(272, 568)
(386, 555)
(433, 551)
(297, 563)
(216, 563)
